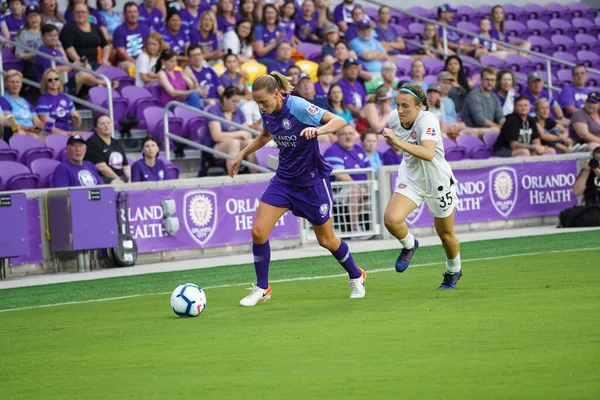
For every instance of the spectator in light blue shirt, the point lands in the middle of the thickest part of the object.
(369, 51)
(369, 141)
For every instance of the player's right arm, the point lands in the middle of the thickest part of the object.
(259, 142)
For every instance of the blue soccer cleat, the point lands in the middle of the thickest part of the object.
(450, 280)
(403, 260)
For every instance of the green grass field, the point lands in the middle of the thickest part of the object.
(524, 323)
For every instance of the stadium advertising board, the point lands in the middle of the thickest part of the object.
(508, 192)
(35, 236)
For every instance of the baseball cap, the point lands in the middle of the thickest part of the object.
(593, 97)
(445, 76)
(304, 75)
(534, 76)
(435, 87)
(351, 61)
(446, 8)
(32, 8)
(363, 24)
(330, 28)
(75, 139)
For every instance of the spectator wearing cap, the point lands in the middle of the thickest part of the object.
(129, 37)
(505, 90)
(574, 94)
(325, 80)
(588, 180)
(331, 36)
(375, 114)
(535, 90)
(585, 123)
(283, 60)
(75, 171)
(445, 14)
(149, 168)
(519, 135)
(482, 108)
(106, 154)
(387, 35)
(369, 51)
(358, 16)
(445, 80)
(305, 88)
(31, 37)
(342, 14)
(355, 95)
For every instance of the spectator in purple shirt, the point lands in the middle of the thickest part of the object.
(283, 60)
(75, 171)
(458, 45)
(205, 78)
(498, 31)
(206, 37)
(307, 23)
(231, 76)
(535, 90)
(55, 109)
(249, 11)
(325, 80)
(151, 16)
(226, 16)
(342, 14)
(16, 19)
(287, 21)
(392, 156)
(355, 95)
(175, 37)
(358, 17)
(150, 168)
(386, 34)
(190, 16)
(268, 35)
(130, 37)
(574, 94)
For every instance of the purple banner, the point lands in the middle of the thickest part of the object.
(508, 192)
(35, 237)
(211, 217)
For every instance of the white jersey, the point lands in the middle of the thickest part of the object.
(430, 177)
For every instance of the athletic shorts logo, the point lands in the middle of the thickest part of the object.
(324, 209)
(200, 215)
(503, 189)
(287, 125)
(312, 109)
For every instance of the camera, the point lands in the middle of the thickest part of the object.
(594, 163)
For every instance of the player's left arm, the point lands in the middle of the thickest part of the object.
(331, 123)
(424, 151)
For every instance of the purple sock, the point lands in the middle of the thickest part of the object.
(344, 257)
(262, 258)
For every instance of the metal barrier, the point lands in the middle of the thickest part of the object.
(53, 62)
(168, 135)
(354, 210)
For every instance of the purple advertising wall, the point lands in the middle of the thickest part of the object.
(211, 217)
(35, 236)
(508, 192)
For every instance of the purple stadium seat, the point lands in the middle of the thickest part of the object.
(583, 25)
(562, 27)
(423, 12)
(416, 29)
(586, 57)
(468, 26)
(373, 13)
(29, 148)
(466, 13)
(155, 121)
(116, 74)
(16, 176)
(45, 170)
(489, 139)
(539, 28)
(582, 10)
(433, 66)
(400, 18)
(58, 144)
(431, 79)
(561, 55)
(87, 135)
(564, 76)
(192, 122)
(517, 29)
(564, 43)
(542, 45)
(262, 155)
(10, 61)
(519, 13)
(558, 10)
(494, 61)
(455, 153)
(6, 153)
(474, 147)
(309, 49)
(173, 170)
(585, 41)
(519, 63)
(485, 9)
(99, 96)
(323, 146)
(404, 66)
(138, 98)
(153, 88)
(382, 145)
(538, 12)
(400, 29)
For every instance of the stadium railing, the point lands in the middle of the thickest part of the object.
(445, 28)
(53, 62)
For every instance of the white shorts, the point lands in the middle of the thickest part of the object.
(439, 207)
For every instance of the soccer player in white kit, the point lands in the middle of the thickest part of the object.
(423, 175)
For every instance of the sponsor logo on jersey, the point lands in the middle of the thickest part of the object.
(430, 131)
(312, 109)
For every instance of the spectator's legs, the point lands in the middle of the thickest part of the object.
(252, 157)
(86, 79)
(194, 100)
(354, 206)
(521, 152)
(231, 147)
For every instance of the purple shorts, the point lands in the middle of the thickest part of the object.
(312, 203)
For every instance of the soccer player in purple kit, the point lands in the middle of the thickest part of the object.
(301, 183)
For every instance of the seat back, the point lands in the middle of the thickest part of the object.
(8, 169)
(23, 143)
(44, 168)
(57, 143)
(490, 139)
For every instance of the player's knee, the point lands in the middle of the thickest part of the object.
(259, 234)
(446, 237)
(328, 241)
(391, 220)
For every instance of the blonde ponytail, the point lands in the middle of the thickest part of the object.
(274, 80)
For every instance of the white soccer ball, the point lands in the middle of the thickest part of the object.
(188, 300)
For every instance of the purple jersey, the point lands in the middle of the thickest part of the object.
(573, 96)
(340, 158)
(176, 42)
(279, 66)
(68, 174)
(94, 18)
(215, 109)
(320, 93)
(188, 21)
(41, 64)
(305, 28)
(543, 95)
(388, 35)
(227, 81)
(337, 68)
(225, 26)
(132, 40)
(452, 36)
(153, 20)
(391, 158)
(494, 34)
(354, 94)
(288, 27)
(14, 25)
(343, 13)
(58, 107)
(141, 172)
(208, 79)
(208, 44)
(300, 162)
(262, 33)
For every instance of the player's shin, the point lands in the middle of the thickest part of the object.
(344, 257)
(453, 266)
(262, 258)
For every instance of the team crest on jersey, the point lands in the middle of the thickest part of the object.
(86, 178)
(401, 186)
(207, 76)
(286, 124)
(312, 109)
(63, 103)
(324, 209)
(413, 135)
(431, 131)
(161, 174)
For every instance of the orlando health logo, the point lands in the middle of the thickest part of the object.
(200, 215)
(503, 189)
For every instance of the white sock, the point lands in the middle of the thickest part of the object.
(408, 242)
(453, 266)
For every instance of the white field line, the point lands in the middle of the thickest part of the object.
(302, 278)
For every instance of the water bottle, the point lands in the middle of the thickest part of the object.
(48, 126)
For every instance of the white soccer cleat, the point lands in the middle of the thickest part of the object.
(257, 294)
(357, 286)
